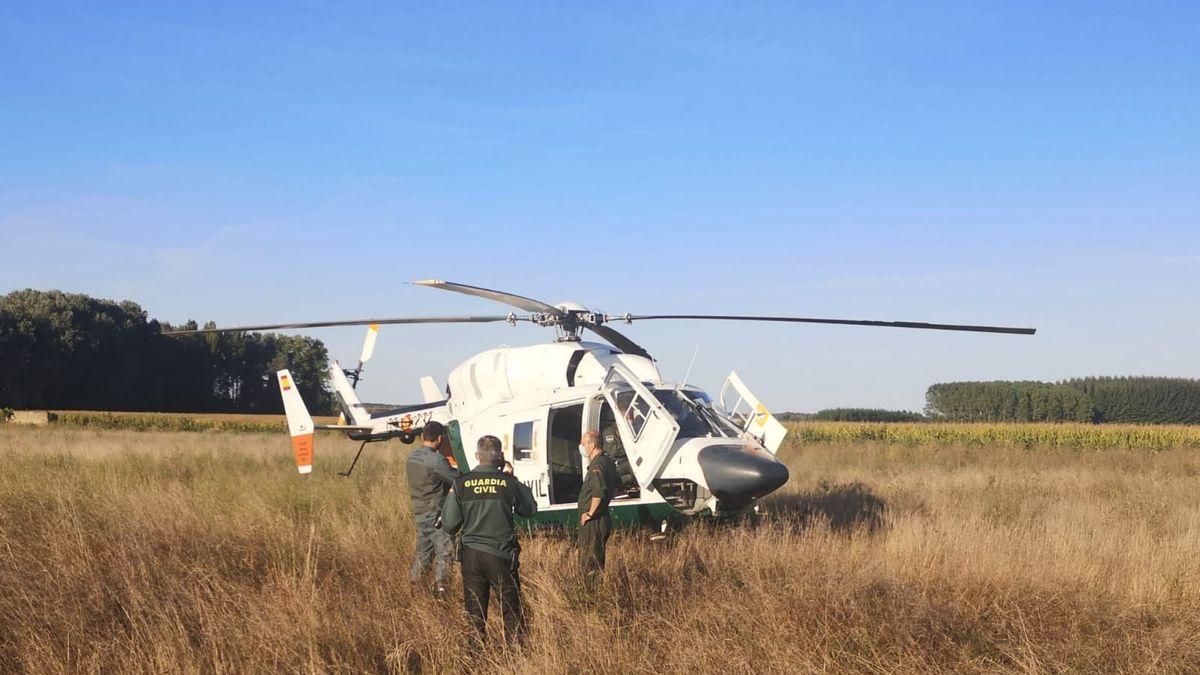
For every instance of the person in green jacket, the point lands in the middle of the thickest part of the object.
(595, 524)
(481, 505)
(429, 477)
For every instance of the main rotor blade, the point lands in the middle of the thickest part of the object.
(619, 341)
(354, 322)
(518, 301)
(840, 322)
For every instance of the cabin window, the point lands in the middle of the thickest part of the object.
(474, 381)
(522, 447)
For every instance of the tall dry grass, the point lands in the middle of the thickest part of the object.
(177, 552)
(1146, 437)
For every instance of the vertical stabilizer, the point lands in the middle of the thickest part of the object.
(300, 424)
(430, 391)
(352, 408)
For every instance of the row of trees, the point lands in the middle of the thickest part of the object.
(866, 415)
(1135, 400)
(1148, 400)
(70, 351)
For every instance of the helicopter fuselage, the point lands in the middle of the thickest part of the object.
(678, 454)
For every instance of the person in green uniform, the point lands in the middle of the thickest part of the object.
(429, 477)
(595, 524)
(481, 505)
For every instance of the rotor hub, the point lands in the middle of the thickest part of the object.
(573, 319)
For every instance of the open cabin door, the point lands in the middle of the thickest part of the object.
(743, 407)
(647, 429)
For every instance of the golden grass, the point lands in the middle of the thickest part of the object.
(152, 421)
(176, 552)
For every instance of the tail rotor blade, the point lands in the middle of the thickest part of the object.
(369, 344)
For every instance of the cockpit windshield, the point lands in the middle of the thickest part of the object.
(693, 411)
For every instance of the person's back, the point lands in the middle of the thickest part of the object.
(488, 499)
(429, 478)
(481, 505)
(427, 472)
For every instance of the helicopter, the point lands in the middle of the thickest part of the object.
(680, 453)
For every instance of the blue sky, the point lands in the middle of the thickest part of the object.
(1011, 163)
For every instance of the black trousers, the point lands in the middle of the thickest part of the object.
(593, 543)
(482, 572)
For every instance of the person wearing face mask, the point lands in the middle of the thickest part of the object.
(595, 523)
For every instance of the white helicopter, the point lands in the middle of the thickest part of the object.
(680, 452)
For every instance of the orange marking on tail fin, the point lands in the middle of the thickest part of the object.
(303, 447)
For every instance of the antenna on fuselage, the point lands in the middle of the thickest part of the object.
(689, 370)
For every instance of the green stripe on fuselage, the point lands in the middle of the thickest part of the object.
(456, 445)
(625, 515)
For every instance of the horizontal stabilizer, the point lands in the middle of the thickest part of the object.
(341, 427)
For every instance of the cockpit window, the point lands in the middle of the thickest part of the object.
(694, 413)
(718, 419)
(633, 408)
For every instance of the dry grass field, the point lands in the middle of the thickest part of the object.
(156, 551)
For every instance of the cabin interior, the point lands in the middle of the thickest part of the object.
(566, 465)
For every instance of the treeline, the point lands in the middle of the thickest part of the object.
(867, 415)
(853, 415)
(74, 352)
(1142, 400)
(1130, 400)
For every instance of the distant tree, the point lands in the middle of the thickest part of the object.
(867, 415)
(71, 351)
(1134, 400)
(1142, 400)
(1003, 401)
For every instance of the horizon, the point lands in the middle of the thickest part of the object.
(1011, 164)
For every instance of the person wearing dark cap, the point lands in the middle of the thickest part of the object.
(429, 478)
(481, 505)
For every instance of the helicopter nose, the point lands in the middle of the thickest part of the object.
(735, 474)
